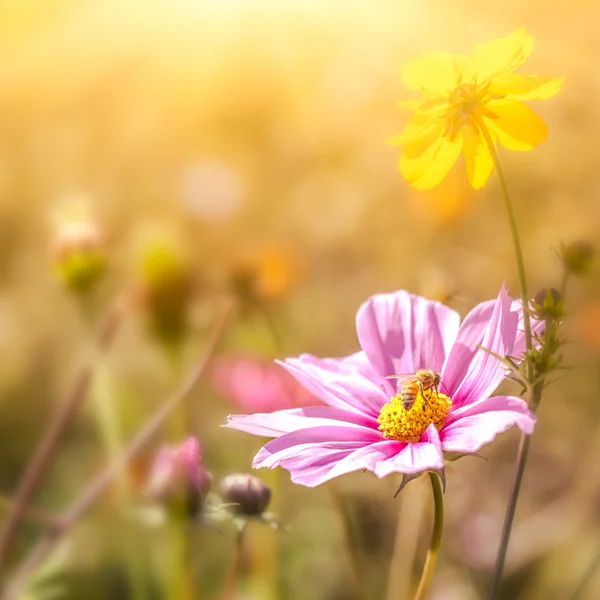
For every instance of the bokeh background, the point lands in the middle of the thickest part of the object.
(242, 143)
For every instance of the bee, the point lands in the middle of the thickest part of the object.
(412, 384)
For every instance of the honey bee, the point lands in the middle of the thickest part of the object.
(412, 384)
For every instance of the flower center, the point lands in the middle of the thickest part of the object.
(408, 425)
(463, 103)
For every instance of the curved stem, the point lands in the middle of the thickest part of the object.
(436, 538)
(514, 232)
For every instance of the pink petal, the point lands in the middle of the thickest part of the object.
(469, 376)
(477, 424)
(306, 469)
(423, 456)
(401, 333)
(293, 419)
(347, 383)
(315, 441)
(258, 386)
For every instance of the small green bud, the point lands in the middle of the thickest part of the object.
(165, 287)
(78, 255)
(577, 257)
(548, 305)
(249, 494)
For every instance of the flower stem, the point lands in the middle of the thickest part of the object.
(236, 567)
(510, 514)
(95, 489)
(436, 538)
(530, 371)
(514, 232)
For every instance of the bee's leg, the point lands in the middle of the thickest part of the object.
(422, 390)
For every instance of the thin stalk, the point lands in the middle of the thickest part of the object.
(351, 543)
(509, 516)
(98, 485)
(178, 584)
(109, 424)
(436, 537)
(523, 451)
(514, 233)
(46, 450)
(236, 567)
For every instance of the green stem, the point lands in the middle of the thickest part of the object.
(107, 415)
(436, 537)
(180, 585)
(530, 372)
(234, 573)
(514, 232)
(510, 514)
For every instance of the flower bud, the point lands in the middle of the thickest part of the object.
(178, 480)
(249, 493)
(548, 305)
(165, 286)
(78, 253)
(577, 257)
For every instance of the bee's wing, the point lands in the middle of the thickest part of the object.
(403, 378)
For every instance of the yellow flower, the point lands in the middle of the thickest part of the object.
(463, 99)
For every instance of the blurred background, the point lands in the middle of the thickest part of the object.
(165, 155)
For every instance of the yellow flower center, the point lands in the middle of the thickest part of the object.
(465, 103)
(408, 425)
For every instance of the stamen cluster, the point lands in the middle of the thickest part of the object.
(408, 425)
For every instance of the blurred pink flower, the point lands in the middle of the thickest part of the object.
(399, 333)
(256, 385)
(178, 479)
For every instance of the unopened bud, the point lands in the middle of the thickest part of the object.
(78, 254)
(548, 305)
(165, 286)
(249, 494)
(577, 257)
(178, 480)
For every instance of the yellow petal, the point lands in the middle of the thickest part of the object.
(430, 168)
(492, 59)
(478, 159)
(418, 145)
(516, 126)
(526, 87)
(435, 72)
(418, 127)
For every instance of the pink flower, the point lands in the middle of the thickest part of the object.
(358, 429)
(178, 479)
(258, 386)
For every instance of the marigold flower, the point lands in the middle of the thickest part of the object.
(258, 386)
(359, 428)
(465, 97)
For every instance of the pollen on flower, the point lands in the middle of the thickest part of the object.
(408, 425)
